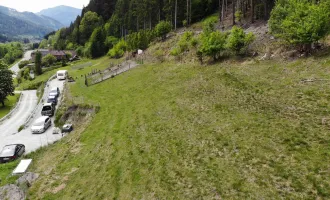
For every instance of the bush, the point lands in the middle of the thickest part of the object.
(163, 28)
(111, 41)
(300, 22)
(48, 60)
(118, 50)
(33, 85)
(238, 40)
(80, 51)
(23, 64)
(212, 44)
(116, 53)
(238, 16)
(209, 25)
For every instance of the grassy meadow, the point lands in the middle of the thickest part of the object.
(235, 130)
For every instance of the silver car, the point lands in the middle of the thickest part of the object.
(41, 124)
(55, 91)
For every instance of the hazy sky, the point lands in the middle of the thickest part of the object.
(37, 5)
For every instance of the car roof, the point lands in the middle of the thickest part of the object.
(8, 150)
(62, 71)
(54, 88)
(47, 104)
(42, 119)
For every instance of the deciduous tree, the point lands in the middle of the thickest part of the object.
(6, 83)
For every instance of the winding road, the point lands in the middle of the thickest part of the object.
(28, 108)
(15, 68)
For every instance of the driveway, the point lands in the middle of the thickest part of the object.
(15, 68)
(9, 128)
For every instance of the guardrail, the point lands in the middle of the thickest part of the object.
(28, 120)
(12, 110)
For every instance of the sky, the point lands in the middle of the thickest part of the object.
(38, 5)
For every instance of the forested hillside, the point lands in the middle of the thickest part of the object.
(126, 25)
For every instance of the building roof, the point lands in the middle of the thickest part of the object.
(57, 53)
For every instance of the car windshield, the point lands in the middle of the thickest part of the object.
(60, 74)
(46, 108)
(8, 151)
(53, 91)
(38, 123)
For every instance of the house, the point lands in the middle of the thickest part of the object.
(59, 54)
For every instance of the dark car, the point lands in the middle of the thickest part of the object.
(11, 152)
(52, 99)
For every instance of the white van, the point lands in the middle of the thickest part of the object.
(62, 74)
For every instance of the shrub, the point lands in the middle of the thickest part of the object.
(48, 60)
(209, 25)
(238, 16)
(111, 41)
(212, 44)
(300, 22)
(238, 40)
(163, 28)
(23, 64)
(118, 50)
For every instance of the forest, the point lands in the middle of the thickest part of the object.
(103, 24)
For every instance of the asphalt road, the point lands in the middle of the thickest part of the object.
(15, 68)
(9, 128)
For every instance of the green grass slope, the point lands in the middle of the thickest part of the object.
(168, 131)
(9, 104)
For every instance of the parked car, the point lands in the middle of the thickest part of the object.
(48, 109)
(55, 92)
(67, 128)
(11, 152)
(41, 124)
(52, 99)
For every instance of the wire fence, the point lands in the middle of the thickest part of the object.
(97, 76)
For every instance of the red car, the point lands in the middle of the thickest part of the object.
(11, 152)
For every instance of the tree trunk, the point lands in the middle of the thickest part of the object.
(233, 11)
(220, 16)
(189, 12)
(175, 13)
(252, 11)
(137, 24)
(265, 7)
(223, 12)
(3, 103)
(307, 49)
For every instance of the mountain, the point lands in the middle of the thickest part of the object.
(63, 14)
(14, 27)
(18, 24)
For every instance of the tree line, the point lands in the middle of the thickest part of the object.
(103, 24)
(120, 18)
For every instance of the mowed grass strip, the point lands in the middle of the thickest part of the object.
(168, 131)
(9, 104)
